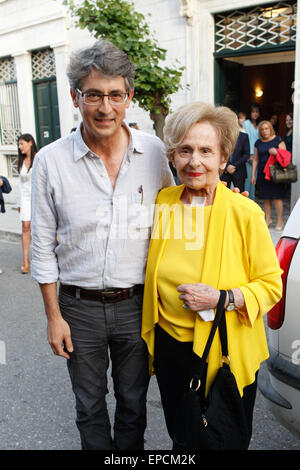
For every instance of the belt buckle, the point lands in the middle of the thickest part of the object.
(109, 291)
(106, 295)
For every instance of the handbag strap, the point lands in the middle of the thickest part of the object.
(219, 321)
(223, 335)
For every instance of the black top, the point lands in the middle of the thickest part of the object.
(241, 152)
(5, 188)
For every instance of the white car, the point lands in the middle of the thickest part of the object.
(280, 387)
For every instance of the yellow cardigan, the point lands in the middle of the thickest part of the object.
(239, 253)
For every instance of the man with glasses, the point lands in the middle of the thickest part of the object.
(90, 232)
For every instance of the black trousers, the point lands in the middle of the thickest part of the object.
(103, 333)
(174, 364)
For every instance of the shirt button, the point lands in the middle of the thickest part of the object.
(110, 252)
(107, 278)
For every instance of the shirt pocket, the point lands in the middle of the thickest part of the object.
(141, 214)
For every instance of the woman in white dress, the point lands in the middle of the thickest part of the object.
(27, 150)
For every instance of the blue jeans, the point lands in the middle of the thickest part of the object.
(98, 329)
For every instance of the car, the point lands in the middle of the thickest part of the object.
(280, 386)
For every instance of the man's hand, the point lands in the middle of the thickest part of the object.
(237, 190)
(1, 182)
(58, 331)
(231, 169)
(59, 337)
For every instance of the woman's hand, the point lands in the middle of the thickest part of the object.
(236, 190)
(199, 296)
(273, 151)
(253, 180)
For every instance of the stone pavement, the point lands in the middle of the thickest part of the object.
(10, 224)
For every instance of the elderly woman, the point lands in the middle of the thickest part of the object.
(231, 250)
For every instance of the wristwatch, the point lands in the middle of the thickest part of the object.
(230, 306)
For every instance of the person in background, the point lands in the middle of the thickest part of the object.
(235, 171)
(241, 118)
(251, 127)
(265, 146)
(288, 139)
(205, 239)
(275, 122)
(27, 150)
(4, 188)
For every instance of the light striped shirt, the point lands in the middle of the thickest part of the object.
(103, 232)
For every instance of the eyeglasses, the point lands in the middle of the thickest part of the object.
(94, 98)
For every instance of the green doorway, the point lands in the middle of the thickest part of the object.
(228, 84)
(46, 111)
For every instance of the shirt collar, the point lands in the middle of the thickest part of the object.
(81, 149)
(135, 140)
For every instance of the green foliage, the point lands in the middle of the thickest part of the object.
(118, 22)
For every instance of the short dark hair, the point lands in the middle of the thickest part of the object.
(252, 107)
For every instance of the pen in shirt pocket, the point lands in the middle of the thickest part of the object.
(141, 192)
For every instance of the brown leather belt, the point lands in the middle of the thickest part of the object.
(110, 295)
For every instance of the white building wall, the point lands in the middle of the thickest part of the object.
(169, 28)
(29, 25)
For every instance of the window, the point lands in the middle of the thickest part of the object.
(10, 126)
(43, 64)
(12, 166)
(260, 27)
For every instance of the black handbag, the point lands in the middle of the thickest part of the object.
(279, 174)
(217, 422)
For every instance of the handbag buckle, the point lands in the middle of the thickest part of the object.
(204, 421)
(226, 359)
(198, 385)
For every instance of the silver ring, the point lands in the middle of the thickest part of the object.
(185, 306)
